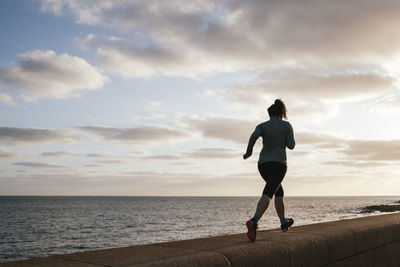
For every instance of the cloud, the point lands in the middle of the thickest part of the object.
(353, 152)
(106, 132)
(200, 153)
(308, 93)
(140, 135)
(93, 165)
(40, 165)
(374, 150)
(387, 105)
(137, 183)
(239, 130)
(319, 139)
(109, 158)
(99, 155)
(164, 157)
(32, 136)
(128, 59)
(311, 85)
(225, 128)
(6, 100)
(356, 164)
(59, 153)
(216, 153)
(43, 74)
(111, 161)
(168, 37)
(6, 154)
(353, 149)
(133, 62)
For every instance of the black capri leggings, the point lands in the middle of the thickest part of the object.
(273, 173)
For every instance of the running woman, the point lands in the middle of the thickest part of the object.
(277, 135)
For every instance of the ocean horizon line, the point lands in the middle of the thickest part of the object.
(200, 196)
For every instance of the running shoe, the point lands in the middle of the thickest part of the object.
(251, 230)
(289, 222)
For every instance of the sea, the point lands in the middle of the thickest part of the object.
(48, 225)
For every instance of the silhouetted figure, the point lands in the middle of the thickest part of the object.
(277, 135)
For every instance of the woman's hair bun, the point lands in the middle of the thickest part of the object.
(277, 109)
(278, 102)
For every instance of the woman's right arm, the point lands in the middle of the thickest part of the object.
(253, 138)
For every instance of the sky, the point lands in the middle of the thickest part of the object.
(159, 98)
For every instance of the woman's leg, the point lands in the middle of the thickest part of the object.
(280, 210)
(280, 207)
(273, 174)
(262, 206)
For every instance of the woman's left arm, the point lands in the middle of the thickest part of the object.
(290, 142)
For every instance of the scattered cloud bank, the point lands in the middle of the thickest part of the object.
(225, 128)
(327, 140)
(216, 153)
(311, 94)
(101, 155)
(311, 86)
(133, 184)
(129, 60)
(349, 149)
(200, 153)
(146, 135)
(33, 136)
(59, 153)
(140, 135)
(356, 164)
(40, 165)
(354, 153)
(6, 154)
(387, 105)
(326, 57)
(43, 74)
(374, 150)
(228, 129)
(6, 100)
(213, 36)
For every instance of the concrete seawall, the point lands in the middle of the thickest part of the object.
(367, 241)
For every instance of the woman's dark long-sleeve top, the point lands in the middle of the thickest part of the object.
(277, 135)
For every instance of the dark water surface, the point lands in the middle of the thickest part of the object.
(42, 226)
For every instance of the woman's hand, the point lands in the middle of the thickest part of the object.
(247, 155)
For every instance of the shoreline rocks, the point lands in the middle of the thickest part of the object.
(381, 208)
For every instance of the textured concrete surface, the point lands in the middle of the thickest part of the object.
(368, 241)
(48, 261)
